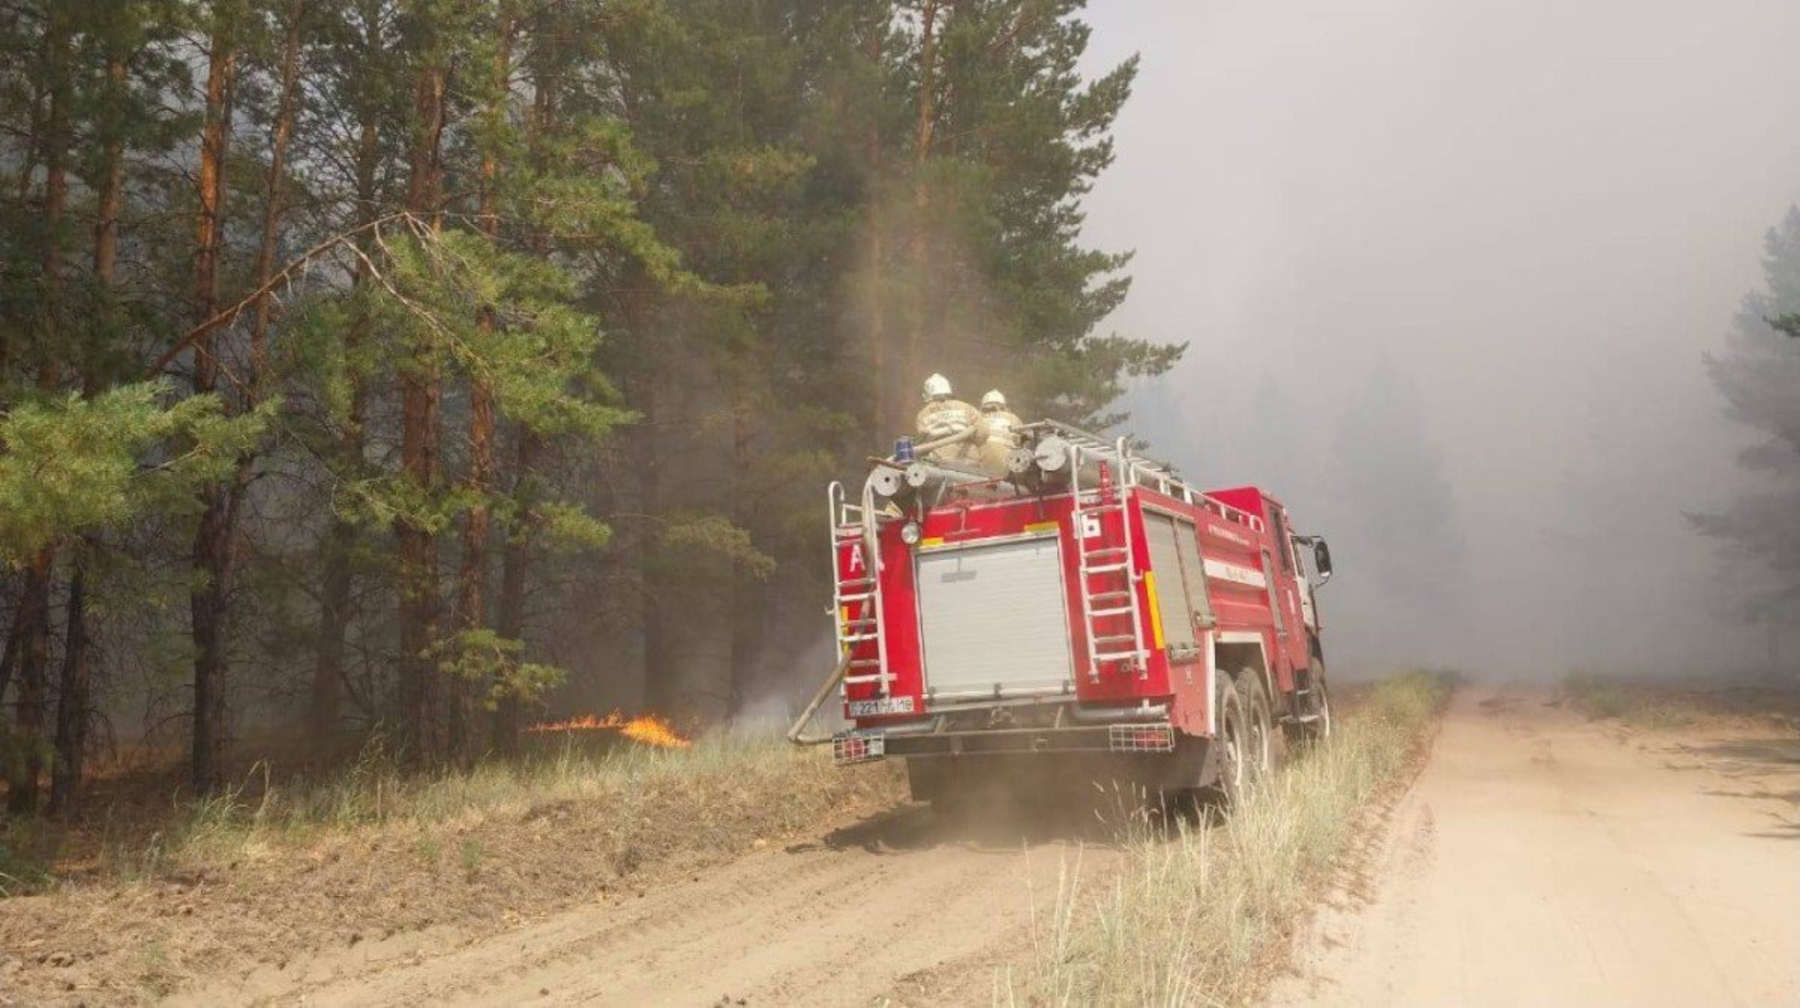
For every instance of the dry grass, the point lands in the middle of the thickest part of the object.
(716, 788)
(1195, 918)
(271, 871)
(1668, 705)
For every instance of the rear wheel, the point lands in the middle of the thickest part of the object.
(1228, 784)
(1259, 726)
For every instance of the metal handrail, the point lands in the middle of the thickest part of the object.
(1128, 465)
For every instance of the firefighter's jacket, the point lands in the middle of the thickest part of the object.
(941, 418)
(1002, 437)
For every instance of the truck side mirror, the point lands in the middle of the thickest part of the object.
(1322, 560)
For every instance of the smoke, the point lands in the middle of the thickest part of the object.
(1526, 223)
(784, 676)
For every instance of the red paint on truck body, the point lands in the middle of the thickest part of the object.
(1253, 584)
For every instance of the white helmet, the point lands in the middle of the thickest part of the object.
(994, 399)
(937, 387)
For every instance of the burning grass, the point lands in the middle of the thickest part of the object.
(1198, 918)
(268, 870)
(646, 729)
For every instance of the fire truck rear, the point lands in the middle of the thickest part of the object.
(1087, 615)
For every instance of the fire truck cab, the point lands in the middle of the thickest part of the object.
(1087, 614)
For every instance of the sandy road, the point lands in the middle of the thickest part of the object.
(905, 907)
(1538, 859)
(1543, 860)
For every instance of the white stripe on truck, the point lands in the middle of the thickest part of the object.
(1235, 572)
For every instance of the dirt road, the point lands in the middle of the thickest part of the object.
(1538, 859)
(1541, 859)
(904, 907)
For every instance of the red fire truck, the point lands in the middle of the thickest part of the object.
(1088, 614)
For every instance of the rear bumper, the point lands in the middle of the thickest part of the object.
(868, 745)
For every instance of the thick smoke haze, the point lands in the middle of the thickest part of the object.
(1448, 270)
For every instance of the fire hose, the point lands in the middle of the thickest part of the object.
(796, 734)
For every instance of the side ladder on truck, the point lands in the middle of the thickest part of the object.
(1108, 576)
(856, 592)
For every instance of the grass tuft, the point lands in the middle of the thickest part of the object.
(1193, 919)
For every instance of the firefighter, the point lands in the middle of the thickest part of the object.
(942, 417)
(1002, 426)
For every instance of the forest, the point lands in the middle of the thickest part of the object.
(384, 368)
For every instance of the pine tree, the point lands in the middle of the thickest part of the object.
(360, 77)
(1759, 376)
(446, 270)
(224, 21)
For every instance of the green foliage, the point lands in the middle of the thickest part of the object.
(569, 526)
(483, 657)
(75, 464)
(713, 534)
(504, 319)
(659, 237)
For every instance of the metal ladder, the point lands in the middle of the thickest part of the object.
(1102, 610)
(856, 597)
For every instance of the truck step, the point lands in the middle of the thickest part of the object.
(1103, 551)
(853, 638)
(1097, 596)
(1110, 656)
(1102, 569)
(1114, 637)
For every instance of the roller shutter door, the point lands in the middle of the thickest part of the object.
(995, 620)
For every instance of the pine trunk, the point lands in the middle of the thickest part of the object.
(659, 686)
(748, 599)
(471, 578)
(207, 601)
(73, 697)
(515, 557)
(31, 624)
(31, 628)
(420, 400)
(273, 205)
(74, 692)
(876, 303)
(926, 123)
(327, 693)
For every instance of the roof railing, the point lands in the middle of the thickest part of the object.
(1132, 469)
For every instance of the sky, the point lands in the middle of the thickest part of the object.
(1524, 222)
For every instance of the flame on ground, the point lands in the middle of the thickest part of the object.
(649, 729)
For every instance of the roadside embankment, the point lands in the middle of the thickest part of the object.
(263, 876)
(1205, 916)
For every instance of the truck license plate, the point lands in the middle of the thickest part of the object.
(876, 708)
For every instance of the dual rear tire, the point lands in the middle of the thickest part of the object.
(1244, 752)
